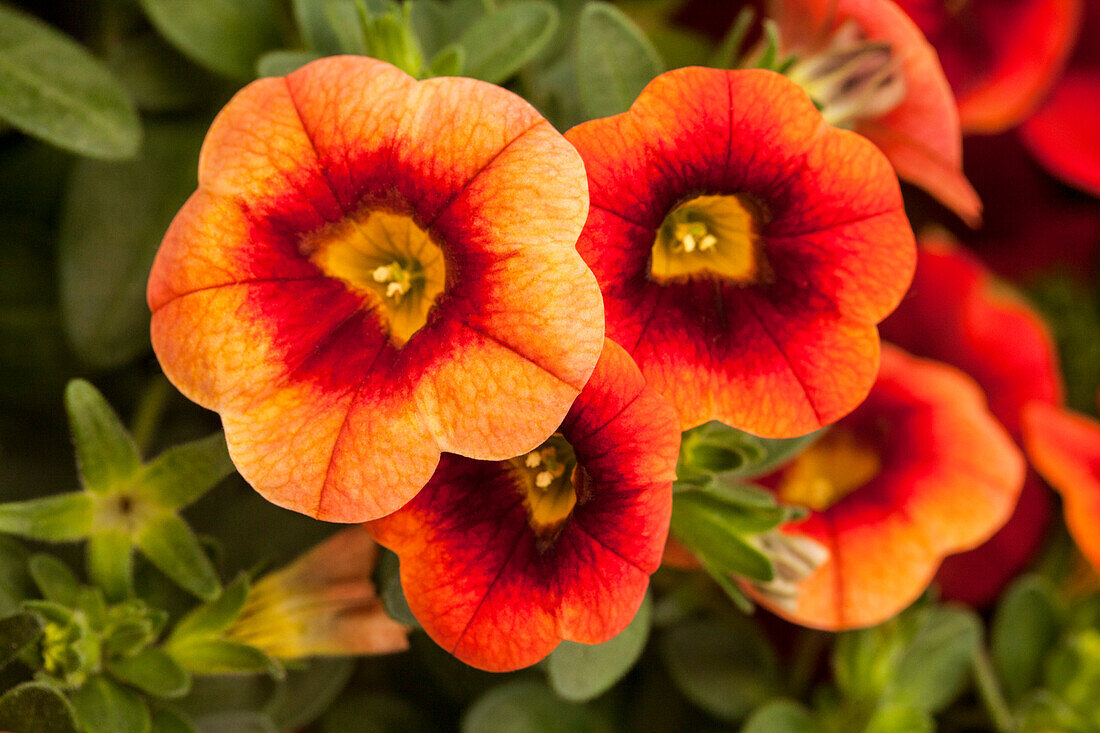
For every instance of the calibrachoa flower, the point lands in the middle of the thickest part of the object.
(1000, 56)
(869, 68)
(957, 312)
(500, 561)
(372, 271)
(920, 470)
(1065, 448)
(745, 249)
(322, 604)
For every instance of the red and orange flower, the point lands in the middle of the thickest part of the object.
(919, 471)
(745, 249)
(869, 68)
(374, 270)
(500, 561)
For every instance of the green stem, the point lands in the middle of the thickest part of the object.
(150, 409)
(990, 692)
(807, 653)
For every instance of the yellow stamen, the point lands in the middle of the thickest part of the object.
(830, 469)
(714, 236)
(545, 478)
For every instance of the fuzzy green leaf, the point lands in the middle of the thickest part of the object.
(615, 60)
(712, 531)
(54, 579)
(499, 44)
(103, 706)
(780, 716)
(105, 452)
(183, 473)
(153, 672)
(110, 563)
(936, 665)
(282, 62)
(214, 617)
(53, 89)
(221, 656)
(62, 518)
(530, 707)
(16, 634)
(1025, 626)
(173, 548)
(35, 707)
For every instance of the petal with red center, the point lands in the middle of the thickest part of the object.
(1062, 134)
(949, 477)
(1065, 448)
(499, 595)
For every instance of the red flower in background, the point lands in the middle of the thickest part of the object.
(1000, 56)
(917, 472)
(869, 63)
(958, 313)
(745, 249)
(500, 561)
(372, 271)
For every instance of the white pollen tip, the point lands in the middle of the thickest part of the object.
(689, 243)
(533, 459)
(708, 241)
(544, 479)
(381, 274)
(394, 290)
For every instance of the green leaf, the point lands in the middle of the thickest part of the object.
(153, 672)
(614, 60)
(726, 670)
(105, 707)
(16, 634)
(309, 690)
(183, 473)
(728, 52)
(864, 661)
(388, 579)
(448, 62)
(54, 579)
(780, 716)
(221, 656)
(936, 665)
(62, 518)
(156, 76)
(110, 563)
(582, 672)
(214, 617)
(745, 455)
(35, 707)
(105, 452)
(282, 62)
(523, 706)
(314, 24)
(173, 548)
(499, 44)
(225, 36)
(900, 719)
(237, 721)
(374, 713)
(15, 580)
(51, 611)
(1025, 626)
(170, 721)
(53, 89)
(113, 220)
(711, 532)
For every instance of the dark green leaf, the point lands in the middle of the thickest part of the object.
(729, 587)
(936, 665)
(375, 713)
(51, 611)
(15, 580)
(864, 661)
(900, 719)
(314, 23)
(114, 218)
(50, 87)
(388, 577)
(183, 473)
(220, 656)
(614, 60)
(105, 707)
(1024, 628)
(171, 545)
(727, 670)
(35, 707)
(238, 722)
(523, 706)
(153, 672)
(582, 672)
(110, 563)
(16, 634)
(713, 535)
(225, 36)
(728, 52)
(448, 62)
(214, 617)
(54, 579)
(157, 77)
(170, 721)
(780, 716)
(62, 518)
(309, 690)
(499, 44)
(282, 62)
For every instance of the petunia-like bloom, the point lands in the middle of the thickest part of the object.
(957, 312)
(1065, 448)
(869, 68)
(322, 604)
(500, 561)
(374, 270)
(1062, 133)
(1000, 56)
(920, 470)
(746, 250)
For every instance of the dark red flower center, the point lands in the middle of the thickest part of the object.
(716, 236)
(388, 260)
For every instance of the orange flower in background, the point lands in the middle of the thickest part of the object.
(1000, 56)
(745, 249)
(957, 312)
(372, 271)
(919, 471)
(869, 68)
(500, 561)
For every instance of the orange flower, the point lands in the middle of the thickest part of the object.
(919, 471)
(1000, 56)
(372, 271)
(870, 68)
(500, 561)
(957, 312)
(1065, 448)
(745, 249)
